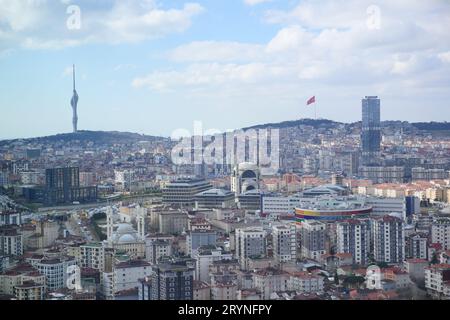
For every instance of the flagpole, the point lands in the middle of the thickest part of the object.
(315, 107)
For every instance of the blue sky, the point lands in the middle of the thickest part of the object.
(156, 66)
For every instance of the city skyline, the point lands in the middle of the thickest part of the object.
(222, 157)
(260, 69)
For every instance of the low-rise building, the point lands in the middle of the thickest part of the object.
(127, 274)
(29, 290)
(304, 282)
(270, 280)
(202, 291)
(437, 279)
(416, 269)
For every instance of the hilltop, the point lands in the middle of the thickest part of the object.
(96, 137)
(116, 137)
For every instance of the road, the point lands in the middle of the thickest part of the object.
(81, 228)
(138, 198)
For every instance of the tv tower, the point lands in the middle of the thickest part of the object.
(74, 103)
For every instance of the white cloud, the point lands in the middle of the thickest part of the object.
(324, 44)
(444, 56)
(209, 75)
(42, 24)
(217, 51)
(289, 38)
(22, 15)
(255, 2)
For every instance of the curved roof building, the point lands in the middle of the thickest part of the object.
(331, 209)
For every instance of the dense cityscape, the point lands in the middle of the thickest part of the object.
(355, 211)
(211, 159)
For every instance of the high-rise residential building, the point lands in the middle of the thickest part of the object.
(440, 232)
(417, 246)
(250, 242)
(353, 236)
(371, 130)
(92, 255)
(312, 238)
(284, 242)
(172, 281)
(11, 241)
(388, 239)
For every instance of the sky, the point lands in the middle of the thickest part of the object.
(155, 67)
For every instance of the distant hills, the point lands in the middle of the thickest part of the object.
(295, 123)
(97, 137)
(423, 126)
(115, 137)
(432, 126)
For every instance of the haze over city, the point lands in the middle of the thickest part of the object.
(153, 67)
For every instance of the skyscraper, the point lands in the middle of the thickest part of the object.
(62, 185)
(74, 103)
(371, 130)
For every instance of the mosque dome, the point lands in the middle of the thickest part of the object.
(125, 228)
(126, 238)
(125, 234)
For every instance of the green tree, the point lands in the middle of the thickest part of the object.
(434, 259)
(382, 265)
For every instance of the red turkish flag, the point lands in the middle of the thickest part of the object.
(311, 101)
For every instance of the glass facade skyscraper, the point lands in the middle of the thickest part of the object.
(63, 186)
(371, 130)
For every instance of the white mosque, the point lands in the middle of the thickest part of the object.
(124, 237)
(245, 178)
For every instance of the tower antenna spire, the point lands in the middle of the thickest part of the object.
(74, 104)
(74, 77)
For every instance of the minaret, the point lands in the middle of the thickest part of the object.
(109, 224)
(74, 103)
(140, 217)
